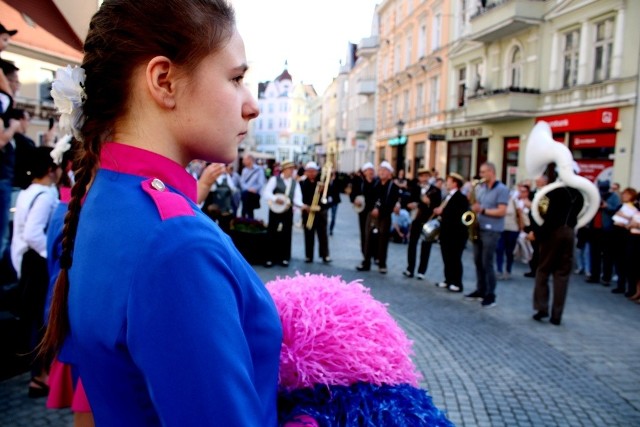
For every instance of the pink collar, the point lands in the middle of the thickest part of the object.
(65, 194)
(136, 161)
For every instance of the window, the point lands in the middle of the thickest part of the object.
(383, 114)
(408, 60)
(396, 61)
(515, 68)
(434, 99)
(603, 50)
(462, 85)
(462, 23)
(422, 41)
(396, 102)
(270, 107)
(436, 31)
(570, 58)
(45, 79)
(420, 100)
(405, 106)
(270, 123)
(478, 71)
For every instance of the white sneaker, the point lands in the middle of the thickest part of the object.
(455, 288)
(442, 284)
(420, 276)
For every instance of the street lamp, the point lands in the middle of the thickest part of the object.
(401, 142)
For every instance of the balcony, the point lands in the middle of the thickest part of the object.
(503, 104)
(502, 18)
(589, 95)
(366, 126)
(368, 46)
(366, 86)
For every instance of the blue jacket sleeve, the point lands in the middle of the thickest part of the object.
(185, 331)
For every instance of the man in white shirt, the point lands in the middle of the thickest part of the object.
(282, 193)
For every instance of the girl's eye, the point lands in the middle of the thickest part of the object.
(238, 79)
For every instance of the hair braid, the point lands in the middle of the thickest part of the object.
(58, 326)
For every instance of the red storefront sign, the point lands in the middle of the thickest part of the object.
(593, 140)
(593, 168)
(602, 118)
(512, 144)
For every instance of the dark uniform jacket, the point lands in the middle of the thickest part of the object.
(451, 224)
(425, 211)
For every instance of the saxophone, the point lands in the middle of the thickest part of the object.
(469, 218)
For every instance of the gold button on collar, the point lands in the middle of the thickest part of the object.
(158, 185)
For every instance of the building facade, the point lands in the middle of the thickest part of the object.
(412, 68)
(461, 82)
(282, 130)
(49, 37)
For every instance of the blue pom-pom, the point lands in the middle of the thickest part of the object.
(362, 404)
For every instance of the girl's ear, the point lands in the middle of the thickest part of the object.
(161, 81)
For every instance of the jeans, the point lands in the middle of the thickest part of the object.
(506, 245)
(334, 211)
(484, 251)
(5, 204)
(583, 259)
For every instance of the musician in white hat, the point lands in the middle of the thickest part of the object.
(282, 193)
(378, 226)
(362, 198)
(319, 224)
(424, 198)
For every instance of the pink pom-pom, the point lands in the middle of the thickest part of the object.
(336, 333)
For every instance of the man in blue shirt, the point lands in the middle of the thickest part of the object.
(492, 199)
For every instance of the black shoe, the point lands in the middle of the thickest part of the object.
(474, 295)
(554, 321)
(606, 283)
(268, 264)
(36, 392)
(326, 260)
(618, 291)
(308, 260)
(382, 270)
(591, 279)
(489, 301)
(363, 267)
(540, 315)
(530, 274)
(284, 263)
(407, 273)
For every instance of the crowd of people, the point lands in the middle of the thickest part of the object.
(428, 209)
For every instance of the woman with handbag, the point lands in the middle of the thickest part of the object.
(34, 208)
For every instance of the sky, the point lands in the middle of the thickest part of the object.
(311, 35)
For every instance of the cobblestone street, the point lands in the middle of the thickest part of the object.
(483, 366)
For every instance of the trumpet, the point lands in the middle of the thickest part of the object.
(469, 218)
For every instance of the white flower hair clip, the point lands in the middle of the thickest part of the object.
(67, 91)
(61, 147)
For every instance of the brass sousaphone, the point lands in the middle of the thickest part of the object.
(541, 150)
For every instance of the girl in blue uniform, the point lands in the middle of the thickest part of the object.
(168, 323)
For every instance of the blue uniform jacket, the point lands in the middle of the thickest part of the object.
(170, 325)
